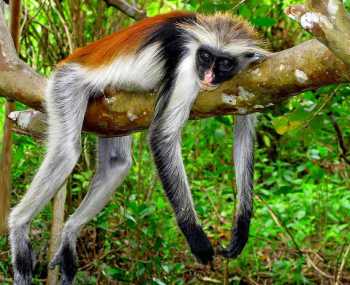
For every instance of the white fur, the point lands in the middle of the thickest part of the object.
(243, 159)
(185, 91)
(130, 72)
(66, 146)
(238, 47)
(113, 164)
(205, 36)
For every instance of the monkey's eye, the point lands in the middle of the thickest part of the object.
(249, 54)
(205, 56)
(226, 64)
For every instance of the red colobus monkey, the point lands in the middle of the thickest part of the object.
(177, 54)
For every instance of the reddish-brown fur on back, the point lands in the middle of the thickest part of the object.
(122, 42)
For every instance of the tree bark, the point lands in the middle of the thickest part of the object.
(6, 152)
(127, 9)
(56, 230)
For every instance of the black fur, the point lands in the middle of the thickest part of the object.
(172, 50)
(166, 148)
(216, 56)
(172, 180)
(198, 242)
(67, 259)
(68, 265)
(24, 264)
(240, 235)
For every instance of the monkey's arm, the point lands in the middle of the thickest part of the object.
(172, 111)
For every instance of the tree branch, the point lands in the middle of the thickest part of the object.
(341, 142)
(29, 122)
(17, 80)
(127, 9)
(307, 66)
(328, 21)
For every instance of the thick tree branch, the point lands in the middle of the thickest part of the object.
(285, 74)
(304, 67)
(127, 9)
(17, 80)
(328, 21)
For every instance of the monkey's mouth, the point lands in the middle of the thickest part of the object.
(207, 86)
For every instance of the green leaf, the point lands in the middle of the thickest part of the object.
(264, 22)
(158, 281)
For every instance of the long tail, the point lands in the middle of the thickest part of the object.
(244, 135)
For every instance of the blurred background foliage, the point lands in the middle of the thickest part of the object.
(300, 231)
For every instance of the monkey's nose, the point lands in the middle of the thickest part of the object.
(208, 77)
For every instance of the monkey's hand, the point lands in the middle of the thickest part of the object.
(240, 234)
(66, 258)
(199, 243)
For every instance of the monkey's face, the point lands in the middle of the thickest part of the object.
(214, 66)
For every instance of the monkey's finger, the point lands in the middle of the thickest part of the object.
(56, 260)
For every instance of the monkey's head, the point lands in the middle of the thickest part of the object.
(214, 66)
(225, 45)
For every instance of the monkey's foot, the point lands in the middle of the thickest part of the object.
(24, 261)
(200, 245)
(66, 258)
(23, 257)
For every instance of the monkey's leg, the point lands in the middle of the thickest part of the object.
(172, 112)
(66, 104)
(113, 164)
(244, 169)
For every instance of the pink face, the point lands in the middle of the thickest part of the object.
(207, 82)
(208, 77)
(215, 66)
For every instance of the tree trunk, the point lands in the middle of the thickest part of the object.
(56, 229)
(6, 154)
